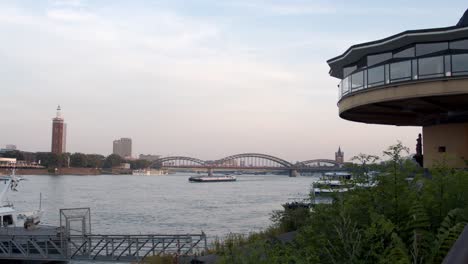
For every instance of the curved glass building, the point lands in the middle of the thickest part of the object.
(414, 78)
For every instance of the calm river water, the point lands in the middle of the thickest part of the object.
(163, 204)
(129, 204)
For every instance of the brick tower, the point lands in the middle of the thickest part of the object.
(59, 133)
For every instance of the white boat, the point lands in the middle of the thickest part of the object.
(149, 172)
(225, 178)
(9, 216)
(333, 182)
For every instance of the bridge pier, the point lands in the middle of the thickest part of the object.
(210, 171)
(293, 173)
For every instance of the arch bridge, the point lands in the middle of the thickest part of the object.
(179, 162)
(252, 160)
(247, 161)
(320, 163)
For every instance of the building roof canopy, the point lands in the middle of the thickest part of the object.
(463, 20)
(357, 52)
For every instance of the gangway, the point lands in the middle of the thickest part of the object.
(67, 242)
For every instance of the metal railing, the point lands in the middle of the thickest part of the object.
(114, 248)
(126, 248)
(441, 67)
(73, 240)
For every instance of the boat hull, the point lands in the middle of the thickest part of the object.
(329, 192)
(212, 179)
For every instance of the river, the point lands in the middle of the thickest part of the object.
(126, 204)
(123, 204)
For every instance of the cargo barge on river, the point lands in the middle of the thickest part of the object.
(225, 178)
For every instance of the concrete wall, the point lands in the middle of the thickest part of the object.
(454, 137)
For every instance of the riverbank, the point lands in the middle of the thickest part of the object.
(65, 171)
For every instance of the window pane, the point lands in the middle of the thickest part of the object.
(423, 49)
(365, 78)
(374, 59)
(460, 63)
(345, 85)
(431, 66)
(376, 76)
(448, 65)
(407, 53)
(348, 70)
(415, 69)
(461, 44)
(400, 71)
(387, 73)
(357, 80)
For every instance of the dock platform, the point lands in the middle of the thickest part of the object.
(65, 243)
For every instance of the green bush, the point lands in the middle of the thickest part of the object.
(406, 218)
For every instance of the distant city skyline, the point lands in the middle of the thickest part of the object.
(204, 79)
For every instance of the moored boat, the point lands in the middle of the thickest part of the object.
(331, 183)
(10, 218)
(149, 172)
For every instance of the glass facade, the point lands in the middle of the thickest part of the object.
(376, 76)
(378, 58)
(400, 71)
(429, 48)
(421, 61)
(460, 64)
(431, 67)
(408, 70)
(345, 86)
(357, 80)
(406, 53)
(459, 45)
(348, 70)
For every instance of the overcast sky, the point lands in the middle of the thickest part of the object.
(204, 78)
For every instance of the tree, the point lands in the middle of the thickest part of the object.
(79, 160)
(398, 185)
(406, 218)
(140, 164)
(14, 154)
(63, 160)
(363, 167)
(418, 232)
(112, 160)
(95, 160)
(47, 159)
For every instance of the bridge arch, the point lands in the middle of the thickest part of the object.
(310, 163)
(161, 161)
(274, 159)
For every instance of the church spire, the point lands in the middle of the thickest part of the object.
(339, 155)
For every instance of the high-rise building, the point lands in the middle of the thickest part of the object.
(123, 147)
(339, 156)
(414, 78)
(59, 133)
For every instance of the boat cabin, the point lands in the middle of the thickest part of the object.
(7, 216)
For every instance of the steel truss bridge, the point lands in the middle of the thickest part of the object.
(249, 161)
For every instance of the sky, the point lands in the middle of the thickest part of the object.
(206, 78)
